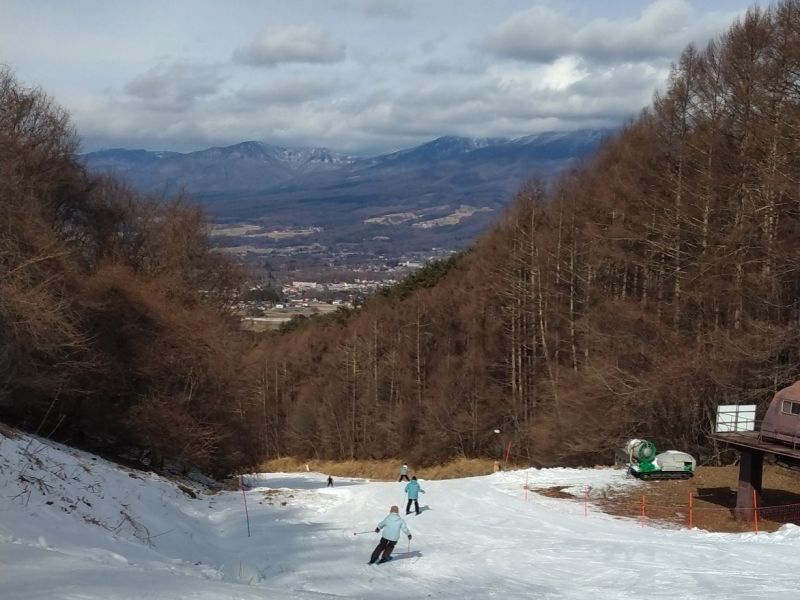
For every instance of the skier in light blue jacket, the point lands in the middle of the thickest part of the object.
(413, 490)
(391, 525)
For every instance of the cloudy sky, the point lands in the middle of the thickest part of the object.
(360, 76)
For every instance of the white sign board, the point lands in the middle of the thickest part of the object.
(736, 417)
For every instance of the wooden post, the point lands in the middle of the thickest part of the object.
(691, 516)
(750, 476)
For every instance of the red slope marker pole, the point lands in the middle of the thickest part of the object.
(755, 510)
(641, 519)
(508, 453)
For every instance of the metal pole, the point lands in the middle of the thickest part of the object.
(246, 514)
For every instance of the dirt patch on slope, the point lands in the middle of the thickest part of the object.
(556, 492)
(713, 496)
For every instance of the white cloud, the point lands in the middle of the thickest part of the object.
(366, 76)
(562, 73)
(508, 100)
(297, 44)
(662, 30)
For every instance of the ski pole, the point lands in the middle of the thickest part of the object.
(246, 514)
(362, 532)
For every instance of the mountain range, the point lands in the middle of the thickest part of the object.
(267, 199)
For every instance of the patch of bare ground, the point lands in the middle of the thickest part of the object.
(556, 492)
(273, 497)
(713, 497)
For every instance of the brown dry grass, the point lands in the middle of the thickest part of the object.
(381, 470)
(713, 491)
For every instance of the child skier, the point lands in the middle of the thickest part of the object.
(330, 481)
(413, 490)
(403, 472)
(391, 525)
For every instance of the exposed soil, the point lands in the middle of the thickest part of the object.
(713, 496)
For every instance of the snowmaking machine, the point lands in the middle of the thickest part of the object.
(645, 463)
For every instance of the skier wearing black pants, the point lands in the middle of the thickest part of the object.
(413, 490)
(391, 525)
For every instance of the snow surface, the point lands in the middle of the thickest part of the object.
(73, 526)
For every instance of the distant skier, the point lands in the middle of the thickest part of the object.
(413, 490)
(391, 525)
(330, 481)
(403, 472)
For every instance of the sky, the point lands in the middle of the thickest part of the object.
(73, 526)
(360, 76)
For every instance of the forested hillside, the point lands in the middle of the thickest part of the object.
(113, 333)
(643, 289)
(631, 297)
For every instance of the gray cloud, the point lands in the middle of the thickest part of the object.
(471, 68)
(176, 85)
(662, 30)
(394, 9)
(298, 44)
(391, 108)
(339, 114)
(442, 67)
(290, 91)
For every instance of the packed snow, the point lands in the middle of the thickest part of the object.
(73, 526)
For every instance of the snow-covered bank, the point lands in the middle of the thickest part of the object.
(74, 526)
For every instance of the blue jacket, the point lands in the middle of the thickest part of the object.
(391, 527)
(413, 489)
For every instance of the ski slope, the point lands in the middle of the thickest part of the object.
(73, 526)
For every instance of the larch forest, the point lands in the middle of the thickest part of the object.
(627, 298)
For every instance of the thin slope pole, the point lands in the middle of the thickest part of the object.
(246, 514)
(755, 510)
(644, 512)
